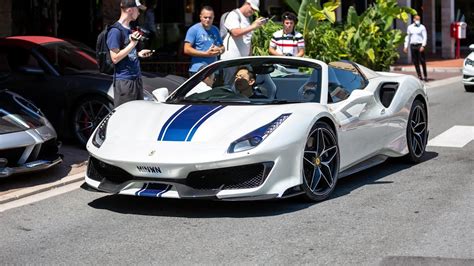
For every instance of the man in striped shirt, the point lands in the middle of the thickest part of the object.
(287, 42)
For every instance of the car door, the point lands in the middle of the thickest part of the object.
(30, 77)
(361, 131)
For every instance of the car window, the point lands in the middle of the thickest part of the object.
(67, 58)
(343, 78)
(16, 113)
(4, 66)
(19, 58)
(254, 81)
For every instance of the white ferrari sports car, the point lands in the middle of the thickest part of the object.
(27, 139)
(259, 128)
(468, 71)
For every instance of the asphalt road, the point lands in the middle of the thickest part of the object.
(392, 214)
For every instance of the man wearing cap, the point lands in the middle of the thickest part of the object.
(122, 44)
(238, 42)
(287, 42)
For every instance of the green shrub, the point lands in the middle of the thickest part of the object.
(368, 39)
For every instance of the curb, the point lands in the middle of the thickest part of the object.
(26, 192)
(428, 69)
(442, 82)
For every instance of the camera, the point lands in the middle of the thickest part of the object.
(288, 54)
(144, 33)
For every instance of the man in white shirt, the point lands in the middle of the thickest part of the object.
(238, 42)
(416, 38)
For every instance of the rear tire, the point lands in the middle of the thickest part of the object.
(320, 163)
(87, 115)
(417, 132)
(469, 88)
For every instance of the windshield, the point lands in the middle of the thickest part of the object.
(67, 58)
(18, 114)
(254, 81)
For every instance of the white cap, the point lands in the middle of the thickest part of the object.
(254, 4)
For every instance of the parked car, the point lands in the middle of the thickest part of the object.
(27, 139)
(468, 71)
(301, 126)
(63, 80)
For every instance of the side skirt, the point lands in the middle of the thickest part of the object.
(373, 161)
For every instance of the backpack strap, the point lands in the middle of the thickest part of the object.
(228, 31)
(122, 43)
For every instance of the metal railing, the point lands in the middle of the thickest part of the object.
(176, 68)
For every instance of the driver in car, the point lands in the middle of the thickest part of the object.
(244, 88)
(244, 83)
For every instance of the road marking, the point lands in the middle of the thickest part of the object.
(455, 137)
(40, 196)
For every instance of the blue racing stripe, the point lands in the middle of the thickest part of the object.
(171, 119)
(181, 126)
(153, 190)
(199, 123)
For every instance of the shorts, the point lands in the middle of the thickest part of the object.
(127, 90)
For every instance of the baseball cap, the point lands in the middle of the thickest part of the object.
(132, 3)
(254, 4)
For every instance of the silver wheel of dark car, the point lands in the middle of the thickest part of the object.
(320, 162)
(87, 116)
(417, 131)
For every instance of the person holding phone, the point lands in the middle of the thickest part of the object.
(287, 42)
(203, 41)
(122, 44)
(238, 42)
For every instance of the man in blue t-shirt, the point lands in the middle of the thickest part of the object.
(203, 41)
(122, 44)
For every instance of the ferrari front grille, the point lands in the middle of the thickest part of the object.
(98, 170)
(12, 155)
(238, 177)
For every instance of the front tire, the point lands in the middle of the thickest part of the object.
(320, 163)
(417, 132)
(87, 115)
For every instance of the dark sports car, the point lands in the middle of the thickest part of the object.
(63, 80)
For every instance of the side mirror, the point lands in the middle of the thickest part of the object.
(471, 47)
(161, 94)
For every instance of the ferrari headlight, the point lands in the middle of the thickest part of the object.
(101, 132)
(254, 138)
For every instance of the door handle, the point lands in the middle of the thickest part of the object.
(382, 112)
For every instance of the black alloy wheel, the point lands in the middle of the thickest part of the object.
(320, 162)
(417, 132)
(88, 115)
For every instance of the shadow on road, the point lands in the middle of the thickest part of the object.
(245, 209)
(372, 175)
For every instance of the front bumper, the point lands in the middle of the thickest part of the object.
(24, 159)
(205, 184)
(32, 166)
(468, 75)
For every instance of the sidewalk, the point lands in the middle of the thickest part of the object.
(437, 69)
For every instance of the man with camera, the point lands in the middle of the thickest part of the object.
(122, 42)
(287, 42)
